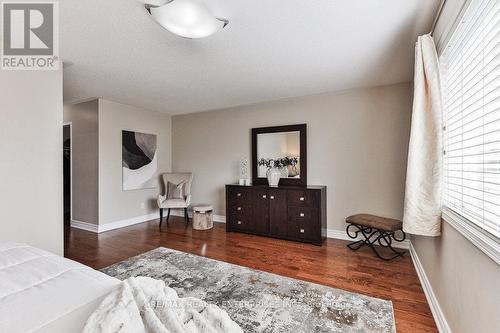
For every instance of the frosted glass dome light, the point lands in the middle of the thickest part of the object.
(187, 18)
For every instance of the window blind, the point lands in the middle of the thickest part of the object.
(470, 67)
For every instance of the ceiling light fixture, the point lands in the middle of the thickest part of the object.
(186, 18)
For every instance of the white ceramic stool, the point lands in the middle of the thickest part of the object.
(203, 217)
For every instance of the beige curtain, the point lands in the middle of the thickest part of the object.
(422, 210)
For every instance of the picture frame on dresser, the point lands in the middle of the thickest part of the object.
(273, 138)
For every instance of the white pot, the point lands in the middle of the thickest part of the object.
(273, 176)
(292, 171)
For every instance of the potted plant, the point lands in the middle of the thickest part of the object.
(273, 173)
(292, 162)
(278, 168)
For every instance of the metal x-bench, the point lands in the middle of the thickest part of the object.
(375, 230)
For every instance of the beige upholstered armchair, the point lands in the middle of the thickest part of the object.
(177, 193)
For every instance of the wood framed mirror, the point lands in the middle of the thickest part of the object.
(283, 148)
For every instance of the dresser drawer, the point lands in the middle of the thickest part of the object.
(300, 198)
(303, 214)
(303, 230)
(239, 222)
(239, 195)
(240, 209)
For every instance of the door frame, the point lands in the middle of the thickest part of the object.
(70, 124)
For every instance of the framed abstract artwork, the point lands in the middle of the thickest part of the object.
(139, 160)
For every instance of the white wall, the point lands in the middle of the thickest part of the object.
(84, 163)
(357, 146)
(31, 113)
(116, 205)
(464, 280)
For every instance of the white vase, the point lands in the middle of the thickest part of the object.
(273, 176)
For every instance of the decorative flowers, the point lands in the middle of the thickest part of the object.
(278, 162)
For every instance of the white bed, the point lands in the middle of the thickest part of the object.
(43, 292)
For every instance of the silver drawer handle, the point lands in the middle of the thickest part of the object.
(264, 196)
(238, 195)
(302, 231)
(302, 198)
(301, 214)
(272, 197)
(239, 208)
(239, 222)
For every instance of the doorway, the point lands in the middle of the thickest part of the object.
(67, 174)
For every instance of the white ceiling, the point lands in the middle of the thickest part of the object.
(271, 49)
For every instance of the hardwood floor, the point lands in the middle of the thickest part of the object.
(331, 264)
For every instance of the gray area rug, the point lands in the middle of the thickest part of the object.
(260, 301)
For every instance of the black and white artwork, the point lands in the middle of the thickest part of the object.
(139, 160)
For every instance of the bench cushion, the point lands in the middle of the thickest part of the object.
(376, 222)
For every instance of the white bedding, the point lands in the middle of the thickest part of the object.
(40, 291)
(143, 304)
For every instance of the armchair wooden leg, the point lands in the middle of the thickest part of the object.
(168, 215)
(186, 216)
(161, 216)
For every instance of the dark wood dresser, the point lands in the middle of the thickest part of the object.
(294, 213)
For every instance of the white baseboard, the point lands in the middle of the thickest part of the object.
(135, 220)
(128, 222)
(84, 226)
(180, 212)
(113, 225)
(331, 233)
(437, 313)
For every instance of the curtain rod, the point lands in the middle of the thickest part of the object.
(438, 15)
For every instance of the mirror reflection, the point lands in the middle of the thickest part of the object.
(280, 150)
